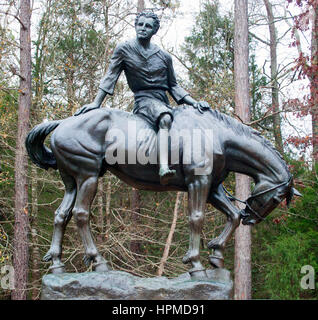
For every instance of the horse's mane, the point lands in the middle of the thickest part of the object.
(241, 128)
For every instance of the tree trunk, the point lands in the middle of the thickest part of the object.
(170, 236)
(274, 82)
(20, 241)
(242, 289)
(314, 85)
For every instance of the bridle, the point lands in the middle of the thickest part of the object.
(243, 213)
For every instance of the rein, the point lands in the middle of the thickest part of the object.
(256, 195)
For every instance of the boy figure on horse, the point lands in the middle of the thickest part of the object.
(149, 72)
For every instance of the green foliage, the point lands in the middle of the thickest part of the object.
(72, 51)
(210, 52)
(287, 242)
(289, 252)
(8, 128)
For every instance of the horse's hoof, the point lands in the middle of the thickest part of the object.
(198, 274)
(100, 267)
(87, 260)
(216, 262)
(186, 259)
(57, 269)
(189, 257)
(48, 257)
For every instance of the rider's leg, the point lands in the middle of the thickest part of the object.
(165, 173)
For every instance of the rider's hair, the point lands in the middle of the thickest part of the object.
(149, 14)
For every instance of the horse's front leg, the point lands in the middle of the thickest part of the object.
(221, 202)
(198, 191)
(86, 191)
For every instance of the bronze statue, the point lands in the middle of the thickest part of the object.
(79, 145)
(149, 72)
(85, 146)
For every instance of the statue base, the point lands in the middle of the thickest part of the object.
(119, 285)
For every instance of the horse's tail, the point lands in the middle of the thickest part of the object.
(42, 156)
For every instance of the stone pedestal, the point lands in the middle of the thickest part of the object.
(118, 285)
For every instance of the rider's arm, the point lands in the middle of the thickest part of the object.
(101, 94)
(177, 93)
(189, 100)
(115, 68)
(180, 95)
(201, 105)
(108, 82)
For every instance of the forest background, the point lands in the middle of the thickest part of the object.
(146, 233)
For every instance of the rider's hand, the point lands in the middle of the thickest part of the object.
(86, 108)
(201, 106)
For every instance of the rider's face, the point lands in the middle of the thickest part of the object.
(145, 28)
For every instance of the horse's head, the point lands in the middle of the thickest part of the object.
(262, 203)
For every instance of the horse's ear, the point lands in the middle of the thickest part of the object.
(297, 193)
(291, 193)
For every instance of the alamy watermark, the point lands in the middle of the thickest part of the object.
(308, 280)
(134, 146)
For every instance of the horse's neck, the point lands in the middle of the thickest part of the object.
(254, 158)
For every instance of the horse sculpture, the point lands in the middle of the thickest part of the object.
(79, 148)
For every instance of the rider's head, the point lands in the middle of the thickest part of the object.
(148, 16)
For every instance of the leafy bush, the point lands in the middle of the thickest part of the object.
(291, 241)
(289, 253)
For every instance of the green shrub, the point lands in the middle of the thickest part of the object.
(288, 254)
(292, 242)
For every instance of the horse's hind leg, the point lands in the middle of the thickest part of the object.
(221, 202)
(86, 191)
(61, 218)
(197, 195)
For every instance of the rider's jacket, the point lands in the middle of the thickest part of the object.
(147, 76)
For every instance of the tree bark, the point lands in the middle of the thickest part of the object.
(21, 226)
(242, 268)
(274, 82)
(170, 235)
